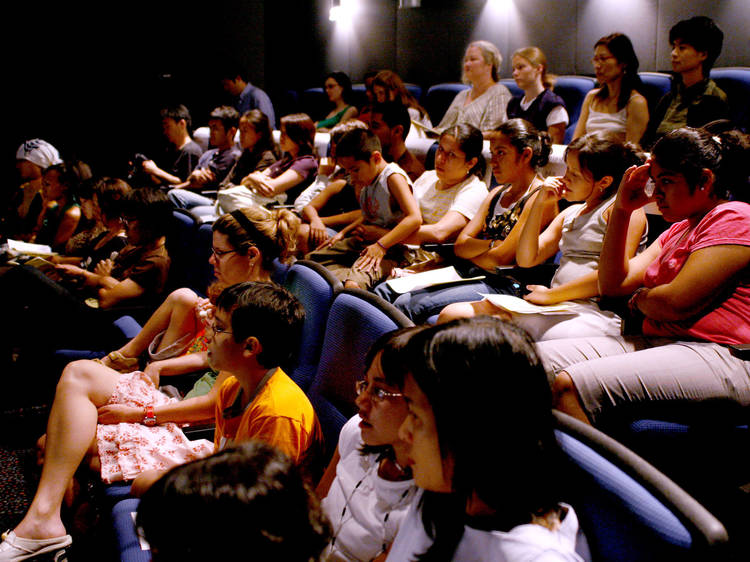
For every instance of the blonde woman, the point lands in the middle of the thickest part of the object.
(538, 105)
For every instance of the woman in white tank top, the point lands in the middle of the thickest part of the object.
(615, 106)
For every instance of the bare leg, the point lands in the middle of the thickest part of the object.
(71, 430)
(566, 398)
(469, 310)
(175, 315)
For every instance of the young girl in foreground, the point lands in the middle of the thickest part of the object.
(595, 165)
(368, 485)
(473, 508)
(691, 285)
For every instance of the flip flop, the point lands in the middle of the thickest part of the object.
(121, 363)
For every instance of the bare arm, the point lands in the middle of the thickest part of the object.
(442, 231)
(188, 363)
(696, 286)
(122, 290)
(468, 245)
(533, 247)
(587, 286)
(328, 476)
(67, 226)
(268, 186)
(637, 120)
(557, 132)
(618, 273)
(200, 408)
(584, 116)
(350, 113)
(373, 254)
(150, 167)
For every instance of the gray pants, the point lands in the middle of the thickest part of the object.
(614, 371)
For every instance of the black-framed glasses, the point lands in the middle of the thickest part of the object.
(219, 253)
(375, 392)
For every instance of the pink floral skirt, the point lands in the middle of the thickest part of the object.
(127, 449)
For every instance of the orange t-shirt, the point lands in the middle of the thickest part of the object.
(280, 415)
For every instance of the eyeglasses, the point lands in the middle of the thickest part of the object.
(376, 393)
(219, 253)
(601, 59)
(217, 330)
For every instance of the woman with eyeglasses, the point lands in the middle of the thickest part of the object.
(615, 105)
(480, 498)
(245, 244)
(368, 486)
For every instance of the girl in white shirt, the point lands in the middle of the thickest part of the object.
(368, 487)
(481, 445)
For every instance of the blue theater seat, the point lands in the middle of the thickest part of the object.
(735, 81)
(314, 102)
(357, 318)
(655, 85)
(509, 83)
(439, 97)
(315, 287)
(627, 509)
(573, 89)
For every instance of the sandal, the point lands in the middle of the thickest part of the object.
(121, 363)
(14, 548)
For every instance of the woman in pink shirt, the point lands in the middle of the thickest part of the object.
(691, 287)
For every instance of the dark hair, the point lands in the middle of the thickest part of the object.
(110, 195)
(341, 129)
(262, 126)
(273, 232)
(391, 346)
(394, 113)
(249, 499)
(227, 115)
(177, 113)
(68, 176)
(483, 374)
(301, 131)
(151, 208)
(231, 69)
(359, 144)
(471, 142)
(369, 74)
(521, 134)
(688, 151)
(622, 49)
(269, 313)
(392, 82)
(346, 85)
(701, 33)
(603, 153)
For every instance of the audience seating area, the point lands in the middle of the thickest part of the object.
(628, 509)
(735, 81)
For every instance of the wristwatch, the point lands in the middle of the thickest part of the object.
(149, 417)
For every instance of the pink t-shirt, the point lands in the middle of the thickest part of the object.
(727, 320)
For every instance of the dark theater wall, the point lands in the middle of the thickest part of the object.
(90, 77)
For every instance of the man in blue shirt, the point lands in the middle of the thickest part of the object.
(234, 81)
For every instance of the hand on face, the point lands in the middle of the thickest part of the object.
(631, 194)
(553, 189)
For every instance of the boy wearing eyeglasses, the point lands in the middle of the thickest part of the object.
(254, 330)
